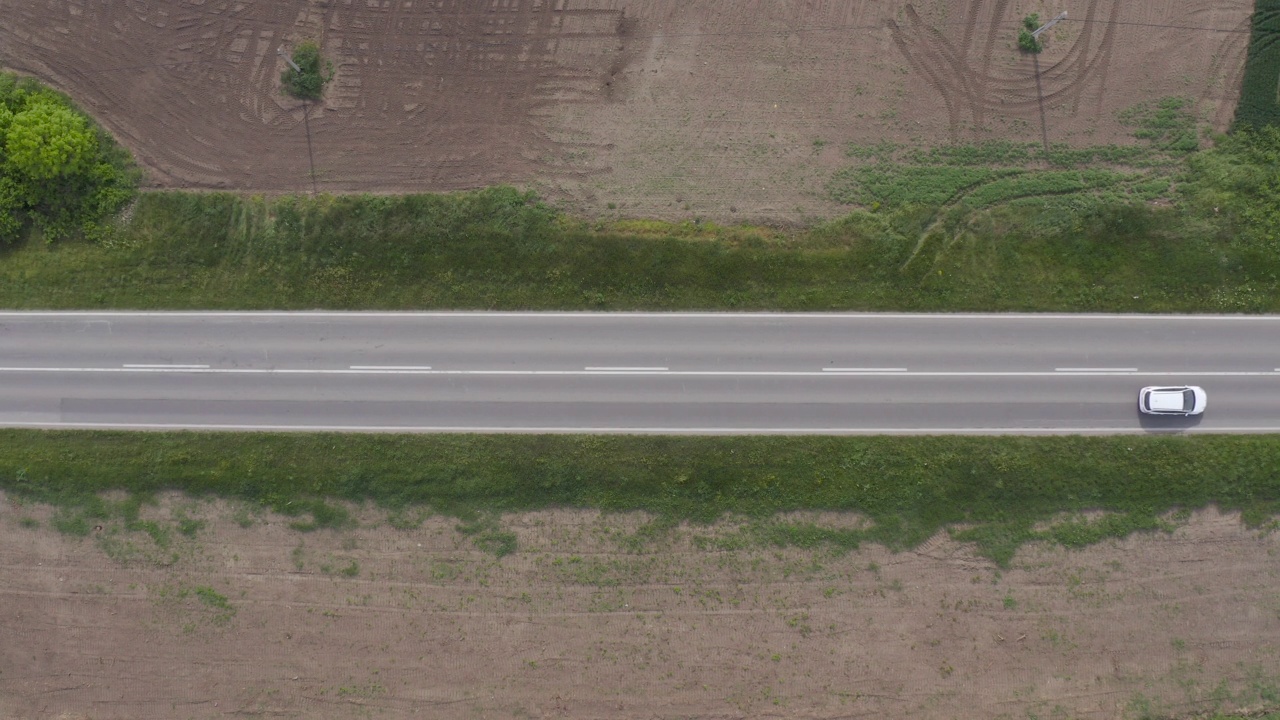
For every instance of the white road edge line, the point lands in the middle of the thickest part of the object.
(390, 367)
(170, 366)
(664, 373)
(271, 314)
(642, 430)
(626, 369)
(864, 370)
(1092, 370)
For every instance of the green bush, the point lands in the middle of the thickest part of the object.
(59, 172)
(1026, 41)
(315, 73)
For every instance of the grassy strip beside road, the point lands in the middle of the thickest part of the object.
(498, 249)
(1043, 241)
(1003, 491)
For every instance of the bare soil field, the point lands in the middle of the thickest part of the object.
(239, 615)
(724, 109)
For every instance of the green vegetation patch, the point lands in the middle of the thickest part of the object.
(1039, 184)
(981, 174)
(1167, 125)
(60, 174)
(313, 73)
(1260, 91)
(1027, 41)
(1004, 491)
(217, 608)
(891, 184)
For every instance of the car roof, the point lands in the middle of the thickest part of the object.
(1167, 399)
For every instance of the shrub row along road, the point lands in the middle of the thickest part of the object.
(586, 372)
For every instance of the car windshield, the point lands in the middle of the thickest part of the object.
(1188, 399)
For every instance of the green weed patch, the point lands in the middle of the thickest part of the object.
(890, 184)
(1004, 492)
(979, 175)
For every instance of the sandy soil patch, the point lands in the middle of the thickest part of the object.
(723, 109)
(587, 619)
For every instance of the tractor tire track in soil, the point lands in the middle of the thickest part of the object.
(978, 91)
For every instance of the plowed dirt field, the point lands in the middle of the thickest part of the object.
(245, 617)
(728, 109)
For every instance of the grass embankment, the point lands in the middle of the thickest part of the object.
(496, 250)
(962, 228)
(999, 489)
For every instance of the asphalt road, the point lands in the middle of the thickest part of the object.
(685, 373)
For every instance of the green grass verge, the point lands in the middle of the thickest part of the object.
(1260, 91)
(997, 489)
(500, 249)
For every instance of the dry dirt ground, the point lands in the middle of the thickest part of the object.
(724, 109)
(588, 619)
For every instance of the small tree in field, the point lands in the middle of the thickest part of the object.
(315, 73)
(1026, 41)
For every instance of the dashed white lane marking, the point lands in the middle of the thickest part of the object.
(864, 370)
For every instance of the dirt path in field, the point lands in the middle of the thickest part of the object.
(249, 618)
(725, 109)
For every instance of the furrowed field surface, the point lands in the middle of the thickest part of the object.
(210, 609)
(724, 109)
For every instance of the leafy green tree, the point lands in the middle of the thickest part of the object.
(11, 207)
(58, 171)
(308, 84)
(1026, 41)
(46, 141)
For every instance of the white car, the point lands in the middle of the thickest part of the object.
(1180, 400)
